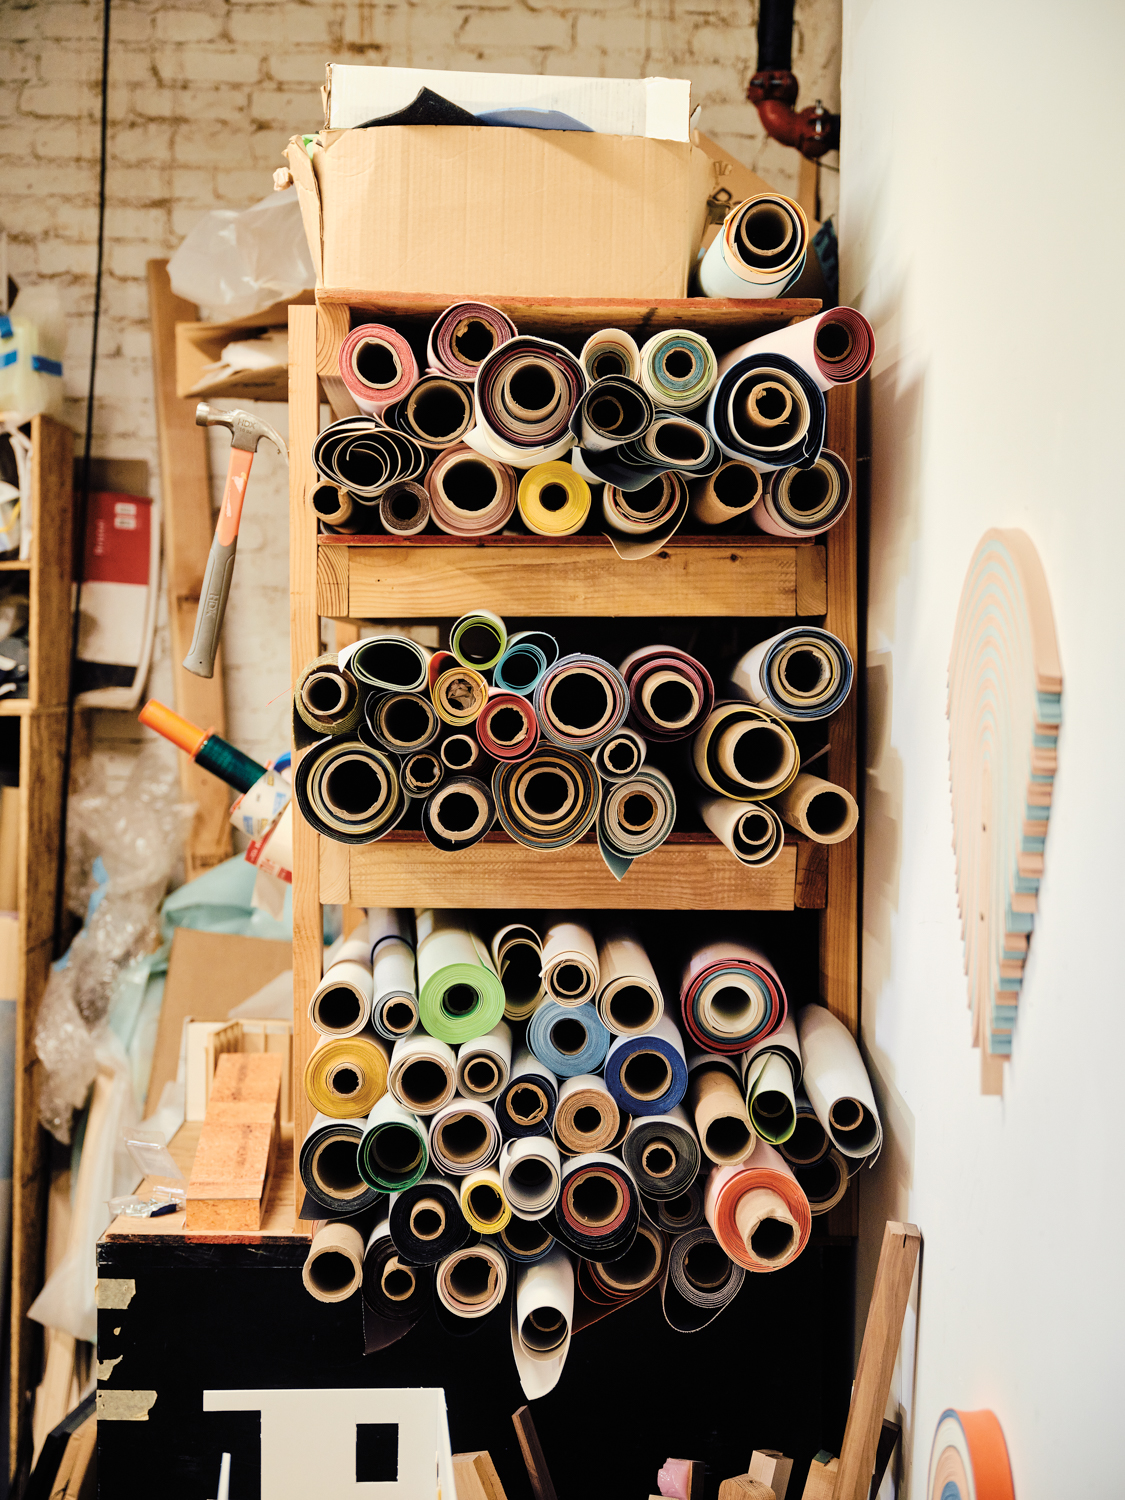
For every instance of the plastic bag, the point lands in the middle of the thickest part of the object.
(234, 264)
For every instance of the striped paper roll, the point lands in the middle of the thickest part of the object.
(404, 508)
(464, 335)
(800, 674)
(528, 655)
(389, 662)
(670, 693)
(745, 752)
(464, 1136)
(437, 412)
(401, 722)
(366, 458)
(611, 352)
(548, 800)
(458, 814)
(731, 997)
(517, 953)
(757, 1211)
(568, 1041)
(701, 1280)
(327, 697)
(642, 519)
(622, 754)
(765, 409)
(587, 1117)
(349, 792)
(554, 499)
(834, 347)
(752, 831)
(329, 1166)
(647, 1074)
(969, 1458)
(734, 488)
(526, 391)
(613, 410)
(507, 728)
(346, 1076)
(470, 494)
(422, 1073)
(377, 366)
(806, 501)
(637, 815)
(599, 1207)
(393, 1154)
(678, 369)
(662, 1152)
(760, 250)
(580, 701)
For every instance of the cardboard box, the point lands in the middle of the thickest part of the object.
(473, 212)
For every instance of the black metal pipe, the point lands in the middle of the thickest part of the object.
(775, 35)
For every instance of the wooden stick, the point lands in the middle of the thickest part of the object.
(532, 1451)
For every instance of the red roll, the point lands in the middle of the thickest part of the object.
(507, 727)
(758, 1211)
(378, 366)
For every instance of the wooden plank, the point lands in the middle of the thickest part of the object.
(398, 583)
(812, 875)
(407, 871)
(476, 1477)
(821, 1481)
(897, 1260)
(812, 581)
(332, 582)
(185, 491)
(532, 1450)
(237, 1148)
(52, 562)
(335, 873)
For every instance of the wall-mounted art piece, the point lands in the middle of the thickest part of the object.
(969, 1459)
(1005, 708)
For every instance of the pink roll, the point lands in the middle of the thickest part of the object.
(464, 335)
(758, 1211)
(507, 728)
(470, 495)
(378, 366)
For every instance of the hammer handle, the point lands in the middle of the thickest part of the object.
(200, 659)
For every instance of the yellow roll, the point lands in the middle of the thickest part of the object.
(483, 1202)
(554, 500)
(346, 1076)
(459, 694)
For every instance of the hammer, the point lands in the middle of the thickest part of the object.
(246, 433)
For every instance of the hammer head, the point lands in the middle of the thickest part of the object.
(247, 431)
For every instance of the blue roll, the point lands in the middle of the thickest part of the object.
(568, 1039)
(526, 657)
(647, 1074)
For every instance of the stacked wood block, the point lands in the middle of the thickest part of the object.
(237, 1145)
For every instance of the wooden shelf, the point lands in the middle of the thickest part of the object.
(15, 565)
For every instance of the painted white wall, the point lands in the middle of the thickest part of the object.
(981, 224)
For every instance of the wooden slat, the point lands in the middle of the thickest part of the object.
(397, 583)
(812, 581)
(332, 582)
(537, 1472)
(335, 873)
(185, 491)
(812, 875)
(692, 876)
(52, 563)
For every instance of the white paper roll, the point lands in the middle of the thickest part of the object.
(340, 1005)
(483, 1065)
(464, 1135)
(570, 963)
(423, 1072)
(630, 1000)
(542, 1315)
(531, 1175)
(837, 1084)
(752, 831)
(517, 953)
(394, 1002)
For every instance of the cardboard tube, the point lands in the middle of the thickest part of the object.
(422, 773)
(437, 411)
(622, 754)
(823, 1182)
(327, 697)
(333, 505)
(333, 1268)
(734, 488)
(719, 1111)
(821, 810)
(587, 1118)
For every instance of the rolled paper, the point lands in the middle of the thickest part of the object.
(366, 458)
(809, 1141)
(341, 1003)
(652, 514)
(670, 693)
(823, 1182)
(637, 815)
(422, 1075)
(619, 756)
(470, 494)
(611, 352)
(760, 250)
(599, 1207)
(614, 410)
(517, 954)
(458, 814)
(526, 1105)
(570, 963)
(767, 410)
(507, 728)
(329, 1166)
(647, 1075)
(745, 752)
(387, 922)
(394, 1004)
(580, 701)
(464, 335)
(757, 1211)
(554, 499)
(531, 1175)
(542, 1315)
(404, 508)
(393, 1153)
(662, 1152)
(799, 674)
(464, 1135)
(526, 391)
(332, 504)
(484, 1063)
(834, 347)
(969, 1458)
(327, 697)
(426, 1222)
(460, 752)
(548, 800)
(701, 1280)
(587, 1117)
(630, 1000)
(526, 1241)
(333, 1269)
(719, 1110)
(346, 1076)
(348, 791)
(377, 366)
(458, 693)
(390, 662)
(681, 1214)
(470, 1283)
(483, 1202)
(752, 831)
(837, 1084)
(629, 1276)
(529, 654)
(821, 810)
(422, 773)
(459, 992)
(402, 722)
(395, 1292)
(731, 997)
(670, 442)
(568, 1040)
(678, 369)
(771, 1073)
(478, 639)
(734, 488)
(805, 502)
(437, 412)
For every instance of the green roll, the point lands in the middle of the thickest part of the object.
(459, 992)
(479, 639)
(393, 1151)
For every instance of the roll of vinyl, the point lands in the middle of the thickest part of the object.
(333, 1268)
(821, 810)
(349, 792)
(969, 1458)
(809, 1141)
(422, 773)
(329, 1166)
(767, 410)
(613, 410)
(366, 458)
(426, 1222)
(731, 997)
(799, 674)
(701, 1280)
(458, 693)
(611, 352)
(327, 697)
(542, 1314)
(531, 1176)
(461, 753)
(526, 1241)
(580, 701)
(834, 347)
(401, 722)
(526, 1105)
(679, 1215)
(719, 1110)
(517, 955)
(394, 1006)
(599, 1207)
(805, 502)
(458, 814)
(760, 250)
(734, 488)
(341, 1003)
(332, 505)
(587, 1117)
(568, 1040)
(678, 369)
(640, 521)
(484, 1063)
(771, 1075)
(464, 335)
(662, 1152)
(619, 756)
(422, 1073)
(677, 442)
(483, 1202)
(478, 639)
(670, 693)
(391, 662)
(647, 1075)
(757, 1211)
(395, 1293)
(549, 800)
(823, 1182)
(630, 1000)
(470, 495)
(526, 391)
(470, 1283)
(752, 831)
(637, 815)
(570, 963)
(393, 1153)
(459, 992)
(347, 1076)
(437, 412)
(507, 728)
(629, 1276)
(554, 499)
(404, 508)
(529, 654)
(377, 366)
(464, 1136)
(837, 1084)
(745, 752)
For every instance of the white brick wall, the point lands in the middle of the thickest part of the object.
(203, 96)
